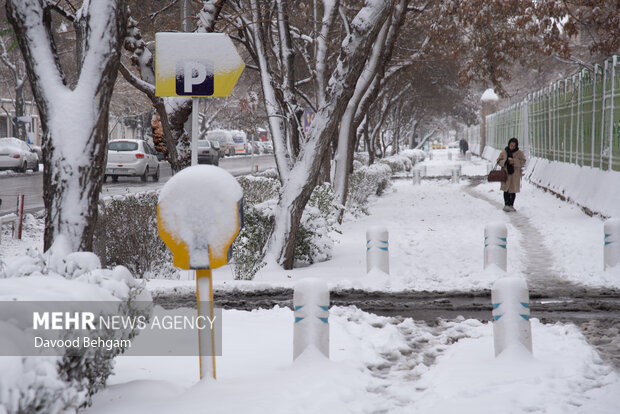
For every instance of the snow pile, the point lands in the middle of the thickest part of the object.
(54, 384)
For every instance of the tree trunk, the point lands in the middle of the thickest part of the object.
(20, 111)
(75, 122)
(297, 189)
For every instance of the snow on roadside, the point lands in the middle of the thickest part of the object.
(377, 364)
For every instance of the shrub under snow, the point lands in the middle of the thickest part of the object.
(60, 384)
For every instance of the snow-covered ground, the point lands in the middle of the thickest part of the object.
(376, 365)
(391, 365)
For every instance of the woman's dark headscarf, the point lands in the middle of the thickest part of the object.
(509, 152)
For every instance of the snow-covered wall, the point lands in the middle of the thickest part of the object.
(591, 188)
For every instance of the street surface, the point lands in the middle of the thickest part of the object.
(31, 184)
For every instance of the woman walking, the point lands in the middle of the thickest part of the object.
(512, 160)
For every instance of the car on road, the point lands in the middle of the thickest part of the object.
(240, 139)
(131, 158)
(216, 146)
(206, 153)
(224, 138)
(16, 155)
(268, 147)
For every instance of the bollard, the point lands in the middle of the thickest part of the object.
(611, 251)
(495, 245)
(468, 155)
(19, 212)
(423, 170)
(449, 155)
(416, 177)
(430, 155)
(311, 309)
(455, 175)
(511, 314)
(377, 254)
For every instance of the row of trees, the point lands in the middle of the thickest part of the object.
(357, 63)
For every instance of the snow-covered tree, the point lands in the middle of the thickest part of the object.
(14, 63)
(74, 119)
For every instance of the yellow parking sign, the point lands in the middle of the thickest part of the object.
(196, 64)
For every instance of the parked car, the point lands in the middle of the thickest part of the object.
(207, 154)
(268, 147)
(216, 146)
(131, 158)
(224, 138)
(241, 142)
(16, 155)
(258, 147)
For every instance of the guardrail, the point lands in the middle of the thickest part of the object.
(574, 120)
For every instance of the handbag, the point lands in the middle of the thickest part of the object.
(497, 175)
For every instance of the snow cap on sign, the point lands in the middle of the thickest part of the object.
(489, 95)
(199, 206)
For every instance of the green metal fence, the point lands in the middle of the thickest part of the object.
(574, 120)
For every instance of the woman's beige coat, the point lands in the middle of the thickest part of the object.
(513, 184)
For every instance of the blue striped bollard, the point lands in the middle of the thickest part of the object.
(311, 309)
(377, 249)
(455, 175)
(511, 314)
(611, 252)
(416, 176)
(495, 245)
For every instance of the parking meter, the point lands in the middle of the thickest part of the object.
(199, 215)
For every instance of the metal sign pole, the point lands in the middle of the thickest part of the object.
(195, 105)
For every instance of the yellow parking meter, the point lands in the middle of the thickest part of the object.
(199, 215)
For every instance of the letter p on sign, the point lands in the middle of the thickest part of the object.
(196, 64)
(194, 77)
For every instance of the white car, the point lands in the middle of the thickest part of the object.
(131, 158)
(16, 155)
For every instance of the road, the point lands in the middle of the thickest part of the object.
(31, 184)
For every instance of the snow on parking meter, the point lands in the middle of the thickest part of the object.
(199, 215)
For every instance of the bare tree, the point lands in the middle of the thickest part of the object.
(74, 120)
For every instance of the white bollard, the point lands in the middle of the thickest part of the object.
(430, 155)
(311, 309)
(449, 155)
(423, 170)
(455, 175)
(468, 155)
(511, 314)
(495, 245)
(377, 254)
(611, 252)
(416, 176)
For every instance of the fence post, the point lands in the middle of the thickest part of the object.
(495, 245)
(611, 252)
(511, 314)
(311, 309)
(377, 249)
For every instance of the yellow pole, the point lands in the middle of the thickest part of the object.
(204, 281)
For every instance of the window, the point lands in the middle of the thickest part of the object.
(123, 146)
